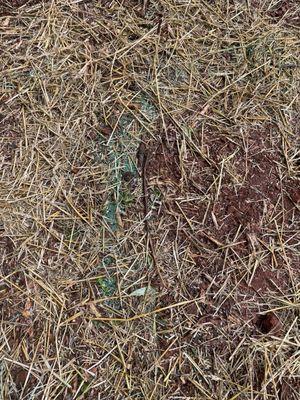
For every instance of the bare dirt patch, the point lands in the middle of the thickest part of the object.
(223, 213)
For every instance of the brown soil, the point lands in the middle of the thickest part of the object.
(286, 10)
(253, 197)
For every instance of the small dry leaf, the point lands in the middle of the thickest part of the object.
(171, 32)
(106, 130)
(204, 109)
(134, 106)
(30, 331)
(94, 310)
(6, 21)
(143, 291)
(27, 312)
(119, 219)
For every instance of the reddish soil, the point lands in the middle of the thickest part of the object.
(253, 199)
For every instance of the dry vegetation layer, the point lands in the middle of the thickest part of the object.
(149, 219)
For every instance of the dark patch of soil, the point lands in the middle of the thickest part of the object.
(7, 7)
(268, 323)
(289, 389)
(164, 163)
(9, 142)
(18, 3)
(286, 10)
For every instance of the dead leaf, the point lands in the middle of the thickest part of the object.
(27, 312)
(204, 109)
(106, 130)
(6, 21)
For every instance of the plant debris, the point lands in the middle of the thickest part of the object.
(150, 199)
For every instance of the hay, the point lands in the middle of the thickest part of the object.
(210, 88)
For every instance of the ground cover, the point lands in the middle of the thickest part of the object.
(149, 219)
